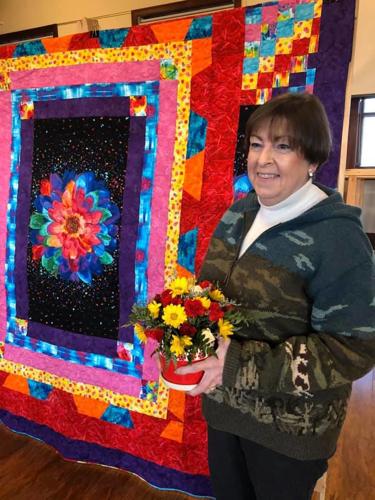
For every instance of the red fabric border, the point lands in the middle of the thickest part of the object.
(143, 440)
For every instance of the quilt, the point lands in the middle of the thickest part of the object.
(133, 139)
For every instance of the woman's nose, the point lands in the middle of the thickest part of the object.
(266, 155)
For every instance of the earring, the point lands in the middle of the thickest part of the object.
(311, 173)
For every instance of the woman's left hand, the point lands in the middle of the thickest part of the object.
(213, 370)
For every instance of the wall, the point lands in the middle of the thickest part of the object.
(24, 14)
(16, 15)
(363, 77)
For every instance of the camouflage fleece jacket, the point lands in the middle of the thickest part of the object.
(308, 287)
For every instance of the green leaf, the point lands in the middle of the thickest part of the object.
(37, 220)
(50, 264)
(106, 258)
(106, 214)
(44, 229)
(105, 238)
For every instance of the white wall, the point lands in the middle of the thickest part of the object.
(16, 15)
(363, 77)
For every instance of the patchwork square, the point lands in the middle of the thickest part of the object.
(285, 28)
(265, 80)
(252, 49)
(269, 14)
(251, 65)
(282, 62)
(303, 29)
(300, 46)
(304, 11)
(267, 47)
(253, 15)
(252, 32)
(266, 64)
(284, 46)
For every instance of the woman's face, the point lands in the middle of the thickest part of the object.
(275, 170)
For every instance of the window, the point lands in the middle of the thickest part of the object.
(49, 31)
(366, 150)
(361, 147)
(180, 9)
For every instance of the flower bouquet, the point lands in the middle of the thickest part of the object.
(187, 320)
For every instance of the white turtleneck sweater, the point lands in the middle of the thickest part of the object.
(290, 208)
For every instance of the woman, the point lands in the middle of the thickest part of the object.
(297, 259)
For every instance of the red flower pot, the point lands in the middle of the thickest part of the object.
(180, 382)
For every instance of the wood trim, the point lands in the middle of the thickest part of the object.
(49, 31)
(353, 134)
(363, 172)
(184, 7)
(354, 195)
(356, 184)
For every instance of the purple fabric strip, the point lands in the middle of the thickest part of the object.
(157, 475)
(129, 224)
(22, 219)
(5, 158)
(332, 60)
(70, 108)
(63, 338)
(90, 106)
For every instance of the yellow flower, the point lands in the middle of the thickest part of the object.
(216, 295)
(179, 286)
(179, 343)
(225, 328)
(205, 301)
(154, 308)
(209, 336)
(174, 315)
(140, 332)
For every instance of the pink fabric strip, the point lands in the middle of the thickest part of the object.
(150, 369)
(138, 71)
(159, 206)
(113, 381)
(162, 184)
(5, 149)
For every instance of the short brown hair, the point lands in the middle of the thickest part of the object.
(305, 120)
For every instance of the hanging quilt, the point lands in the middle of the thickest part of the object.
(118, 155)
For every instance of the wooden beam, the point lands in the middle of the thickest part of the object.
(363, 173)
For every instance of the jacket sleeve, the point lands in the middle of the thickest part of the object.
(339, 349)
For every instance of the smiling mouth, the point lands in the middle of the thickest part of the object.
(267, 176)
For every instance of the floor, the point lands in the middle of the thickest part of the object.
(31, 470)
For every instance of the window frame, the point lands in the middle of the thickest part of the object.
(15, 37)
(186, 8)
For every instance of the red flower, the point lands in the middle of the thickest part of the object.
(187, 329)
(177, 300)
(155, 333)
(194, 308)
(165, 298)
(45, 187)
(205, 284)
(215, 312)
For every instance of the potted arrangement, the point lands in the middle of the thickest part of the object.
(187, 319)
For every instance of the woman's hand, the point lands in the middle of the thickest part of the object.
(213, 370)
